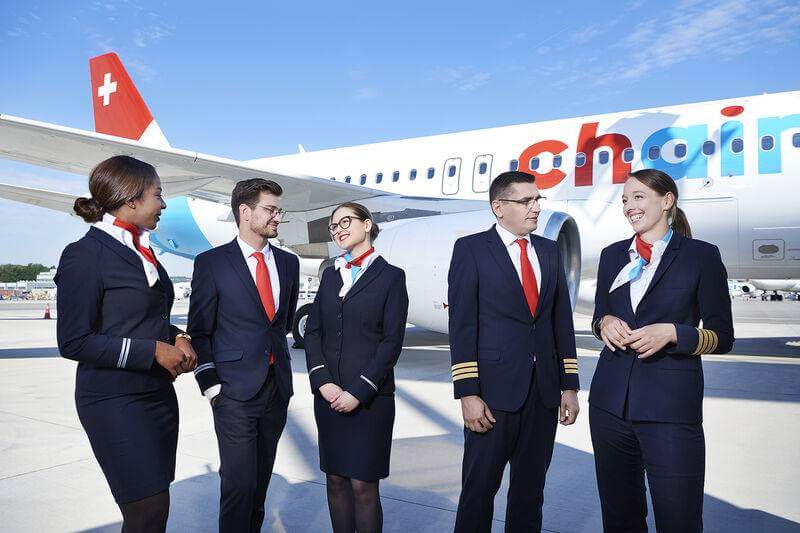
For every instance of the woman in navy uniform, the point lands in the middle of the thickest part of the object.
(114, 301)
(645, 415)
(354, 336)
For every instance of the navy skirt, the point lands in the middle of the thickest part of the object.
(134, 437)
(356, 444)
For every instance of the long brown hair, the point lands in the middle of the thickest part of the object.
(363, 213)
(112, 183)
(662, 183)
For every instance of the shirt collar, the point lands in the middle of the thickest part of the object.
(121, 234)
(507, 237)
(658, 247)
(248, 250)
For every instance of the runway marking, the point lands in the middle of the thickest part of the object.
(47, 468)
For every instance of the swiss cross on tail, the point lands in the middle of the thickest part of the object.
(119, 109)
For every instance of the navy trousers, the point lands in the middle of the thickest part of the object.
(672, 455)
(247, 435)
(525, 440)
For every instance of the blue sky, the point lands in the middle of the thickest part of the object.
(253, 79)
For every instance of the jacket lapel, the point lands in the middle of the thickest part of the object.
(625, 290)
(280, 264)
(372, 272)
(669, 256)
(507, 270)
(118, 248)
(240, 267)
(547, 267)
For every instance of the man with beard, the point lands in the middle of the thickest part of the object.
(244, 295)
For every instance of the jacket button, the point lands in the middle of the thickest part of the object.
(338, 333)
(339, 316)
(164, 317)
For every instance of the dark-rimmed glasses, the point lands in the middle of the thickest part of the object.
(343, 223)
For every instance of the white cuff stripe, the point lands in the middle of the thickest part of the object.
(123, 352)
(203, 368)
(371, 384)
(316, 368)
(127, 351)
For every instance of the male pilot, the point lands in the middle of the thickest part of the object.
(512, 345)
(244, 296)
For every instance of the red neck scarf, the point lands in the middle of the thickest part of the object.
(645, 250)
(147, 253)
(360, 259)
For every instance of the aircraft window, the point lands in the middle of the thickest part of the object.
(431, 173)
(654, 153)
(709, 147)
(451, 171)
(680, 150)
(557, 161)
(603, 157)
(513, 164)
(347, 179)
(580, 159)
(483, 168)
(796, 140)
(379, 177)
(627, 155)
(395, 175)
(534, 164)
(767, 142)
(413, 174)
(737, 145)
(363, 179)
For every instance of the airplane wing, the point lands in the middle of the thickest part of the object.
(181, 171)
(58, 201)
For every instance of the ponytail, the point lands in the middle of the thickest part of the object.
(680, 223)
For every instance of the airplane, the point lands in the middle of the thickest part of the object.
(735, 162)
(767, 285)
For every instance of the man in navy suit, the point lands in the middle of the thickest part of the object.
(244, 295)
(512, 345)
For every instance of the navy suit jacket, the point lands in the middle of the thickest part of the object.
(109, 318)
(494, 338)
(689, 285)
(355, 341)
(230, 330)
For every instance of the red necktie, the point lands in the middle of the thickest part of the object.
(264, 286)
(645, 249)
(360, 259)
(135, 231)
(528, 276)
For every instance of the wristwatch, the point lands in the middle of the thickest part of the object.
(182, 335)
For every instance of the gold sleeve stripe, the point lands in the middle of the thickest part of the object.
(700, 341)
(465, 365)
(571, 366)
(570, 360)
(707, 341)
(571, 371)
(465, 371)
(714, 341)
(465, 376)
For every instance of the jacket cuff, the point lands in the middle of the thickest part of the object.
(206, 376)
(570, 372)
(364, 389)
(137, 354)
(319, 376)
(465, 379)
(687, 340)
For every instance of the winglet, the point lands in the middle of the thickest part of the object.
(119, 109)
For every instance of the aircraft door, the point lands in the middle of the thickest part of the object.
(451, 175)
(482, 173)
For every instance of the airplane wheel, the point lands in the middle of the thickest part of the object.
(299, 326)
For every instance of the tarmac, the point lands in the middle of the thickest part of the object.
(49, 480)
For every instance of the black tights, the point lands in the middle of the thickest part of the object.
(148, 515)
(354, 505)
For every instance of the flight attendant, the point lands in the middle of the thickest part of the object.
(645, 415)
(353, 338)
(114, 300)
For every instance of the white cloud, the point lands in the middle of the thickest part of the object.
(150, 34)
(464, 78)
(366, 93)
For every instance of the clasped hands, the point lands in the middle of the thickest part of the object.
(646, 340)
(176, 359)
(479, 418)
(341, 401)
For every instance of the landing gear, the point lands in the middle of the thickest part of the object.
(299, 326)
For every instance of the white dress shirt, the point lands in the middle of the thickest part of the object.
(346, 274)
(125, 237)
(640, 284)
(514, 252)
(252, 264)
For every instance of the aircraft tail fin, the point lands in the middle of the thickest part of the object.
(119, 109)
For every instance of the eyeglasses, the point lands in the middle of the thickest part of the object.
(527, 202)
(343, 223)
(273, 210)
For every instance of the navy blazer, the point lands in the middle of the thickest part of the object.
(493, 337)
(689, 285)
(230, 330)
(355, 341)
(109, 318)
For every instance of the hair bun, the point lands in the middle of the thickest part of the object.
(88, 209)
